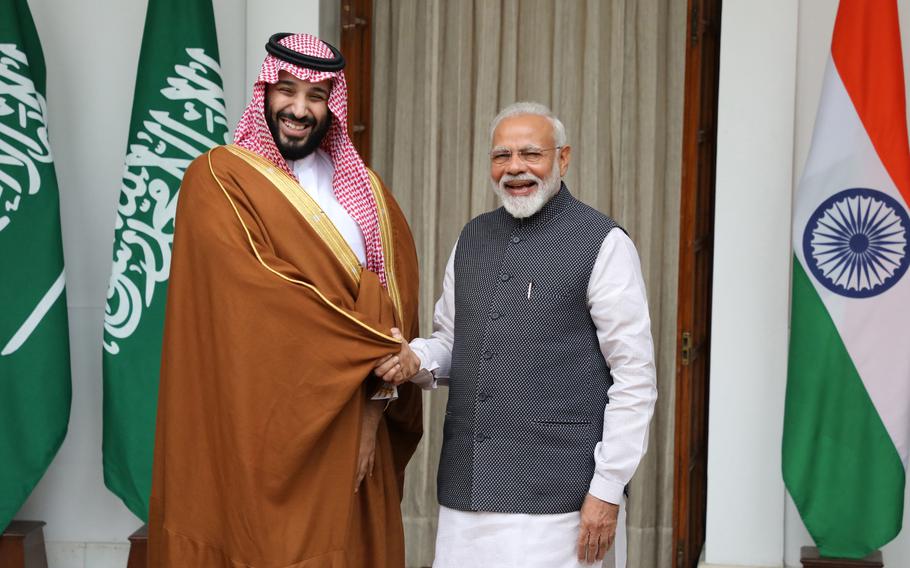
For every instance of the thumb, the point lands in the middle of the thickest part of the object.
(396, 333)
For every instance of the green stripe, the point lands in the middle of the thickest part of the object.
(839, 463)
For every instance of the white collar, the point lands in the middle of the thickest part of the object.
(318, 159)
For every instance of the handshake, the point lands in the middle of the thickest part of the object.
(397, 369)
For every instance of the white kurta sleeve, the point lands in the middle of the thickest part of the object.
(435, 352)
(619, 308)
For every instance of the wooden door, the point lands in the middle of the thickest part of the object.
(696, 252)
(357, 47)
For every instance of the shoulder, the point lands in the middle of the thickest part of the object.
(484, 219)
(399, 219)
(618, 243)
(227, 166)
(198, 173)
(584, 213)
(217, 160)
(377, 182)
(387, 194)
(375, 177)
(212, 174)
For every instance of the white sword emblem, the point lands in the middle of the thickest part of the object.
(26, 329)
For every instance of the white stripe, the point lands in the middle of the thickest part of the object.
(876, 330)
(26, 329)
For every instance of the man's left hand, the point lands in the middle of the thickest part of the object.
(366, 455)
(598, 528)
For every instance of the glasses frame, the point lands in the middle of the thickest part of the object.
(502, 159)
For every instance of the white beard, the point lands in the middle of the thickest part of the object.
(523, 206)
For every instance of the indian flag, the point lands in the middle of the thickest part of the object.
(847, 418)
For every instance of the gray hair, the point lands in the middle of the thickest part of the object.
(527, 107)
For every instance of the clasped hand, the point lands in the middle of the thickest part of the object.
(397, 369)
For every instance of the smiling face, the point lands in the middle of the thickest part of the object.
(524, 185)
(297, 113)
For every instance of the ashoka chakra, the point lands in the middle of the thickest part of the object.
(856, 242)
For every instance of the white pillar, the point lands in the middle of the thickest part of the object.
(751, 283)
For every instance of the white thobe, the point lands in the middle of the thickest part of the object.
(315, 173)
(618, 306)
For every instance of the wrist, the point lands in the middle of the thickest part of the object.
(373, 412)
(605, 489)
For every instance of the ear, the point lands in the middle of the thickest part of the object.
(565, 154)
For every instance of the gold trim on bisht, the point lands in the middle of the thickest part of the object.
(388, 240)
(278, 273)
(307, 207)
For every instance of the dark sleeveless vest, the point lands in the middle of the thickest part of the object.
(528, 383)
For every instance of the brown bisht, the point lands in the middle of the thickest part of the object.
(271, 334)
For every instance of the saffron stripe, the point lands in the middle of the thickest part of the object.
(866, 49)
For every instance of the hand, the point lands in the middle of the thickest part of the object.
(372, 414)
(598, 528)
(397, 369)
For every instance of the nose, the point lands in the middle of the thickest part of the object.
(299, 107)
(515, 165)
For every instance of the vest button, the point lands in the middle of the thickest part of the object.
(516, 240)
(482, 396)
(504, 277)
(481, 437)
(495, 315)
(486, 354)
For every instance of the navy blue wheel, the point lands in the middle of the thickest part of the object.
(856, 242)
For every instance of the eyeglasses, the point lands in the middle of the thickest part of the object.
(502, 156)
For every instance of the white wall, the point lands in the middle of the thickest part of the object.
(91, 48)
(773, 55)
(751, 278)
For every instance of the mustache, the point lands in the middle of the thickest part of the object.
(306, 120)
(520, 177)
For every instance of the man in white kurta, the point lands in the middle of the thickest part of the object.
(528, 159)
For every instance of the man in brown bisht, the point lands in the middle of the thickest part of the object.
(293, 271)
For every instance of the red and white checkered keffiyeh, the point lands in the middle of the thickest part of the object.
(351, 182)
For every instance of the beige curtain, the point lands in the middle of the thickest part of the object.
(613, 71)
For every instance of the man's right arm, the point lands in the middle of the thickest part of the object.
(435, 352)
(427, 361)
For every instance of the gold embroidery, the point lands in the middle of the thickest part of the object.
(279, 274)
(307, 207)
(388, 243)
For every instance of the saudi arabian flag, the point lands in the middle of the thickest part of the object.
(34, 341)
(178, 113)
(847, 419)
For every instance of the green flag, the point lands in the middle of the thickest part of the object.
(178, 113)
(34, 342)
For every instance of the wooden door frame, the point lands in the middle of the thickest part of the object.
(696, 206)
(356, 44)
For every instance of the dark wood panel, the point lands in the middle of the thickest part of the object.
(357, 47)
(696, 255)
(22, 545)
(139, 540)
(810, 558)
